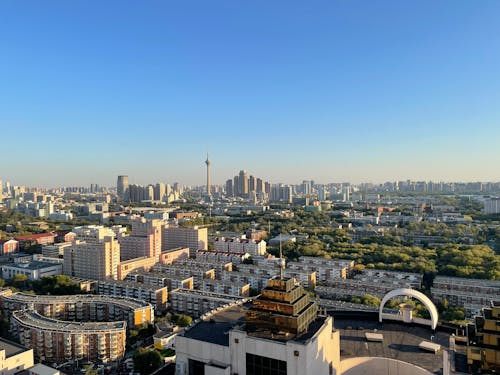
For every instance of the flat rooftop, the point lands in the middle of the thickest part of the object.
(401, 342)
(216, 329)
(11, 348)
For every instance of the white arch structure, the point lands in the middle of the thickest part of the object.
(411, 293)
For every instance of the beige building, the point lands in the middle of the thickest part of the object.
(155, 295)
(171, 255)
(14, 357)
(145, 240)
(93, 260)
(56, 340)
(132, 265)
(195, 238)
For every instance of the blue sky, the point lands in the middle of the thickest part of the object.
(340, 90)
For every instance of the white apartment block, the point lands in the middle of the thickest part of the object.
(492, 205)
(241, 246)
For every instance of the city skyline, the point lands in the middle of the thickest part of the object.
(334, 92)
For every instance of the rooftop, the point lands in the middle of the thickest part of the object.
(11, 348)
(216, 329)
(401, 342)
(80, 298)
(34, 265)
(34, 320)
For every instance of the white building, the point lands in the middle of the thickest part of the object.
(33, 270)
(492, 205)
(241, 246)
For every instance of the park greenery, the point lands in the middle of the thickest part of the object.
(146, 361)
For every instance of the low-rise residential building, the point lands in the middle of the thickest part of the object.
(198, 273)
(160, 280)
(40, 239)
(137, 264)
(171, 255)
(471, 294)
(155, 295)
(221, 256)
(8, 246)
(234, 288)
(196, 302)
(242, 246)
(256, 281)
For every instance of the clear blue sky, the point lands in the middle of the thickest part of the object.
(339, 90)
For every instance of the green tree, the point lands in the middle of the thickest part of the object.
(147, 361)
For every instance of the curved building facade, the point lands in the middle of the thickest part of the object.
(57, 340)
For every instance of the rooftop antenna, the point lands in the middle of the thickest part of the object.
(282, 261)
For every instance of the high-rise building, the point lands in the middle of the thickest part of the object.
(159, 191)
(122, 187)
(252, 184)
(94, 254)
(229, 188)
(195, 238)
(145, 240)
(243, 183)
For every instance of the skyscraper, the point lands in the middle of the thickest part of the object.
(243, 183)
(207, 162)
(122, 187)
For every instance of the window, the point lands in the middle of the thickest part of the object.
(259, 365)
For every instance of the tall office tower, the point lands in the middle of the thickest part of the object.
(322, 193)
(236, 186)
(259, 188)
(94, 254)
(267, 186)
(252, 184)
(306, 187)
(195, 238)
(207, 162)
(150, 192)
(243, 181)
(145, 240)
(1, 190)
(229, 188)
(160, 191)
(122, 187)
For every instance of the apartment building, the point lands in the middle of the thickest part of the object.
(483, 350)
(59, 341)
(326, 269)
(196, 302)
(8, 246)
(155, 295)
(145, 240)
(200, 264)
(55, 250)
(160, 280)
(93, 260)
(220, 256)
(194, 238)
(132, 265)
(82, 307)
(255, 281)
(471, 294)
(241, 246)
(198, 273)
(171, 255)
(234, 288)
